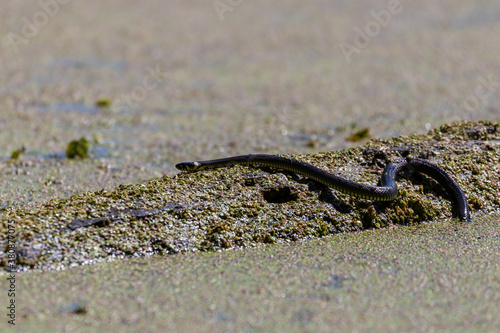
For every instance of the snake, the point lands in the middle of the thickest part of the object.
(387, 191)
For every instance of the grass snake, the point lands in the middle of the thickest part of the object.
(387, 190)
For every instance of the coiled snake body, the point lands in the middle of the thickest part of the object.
(386, 192)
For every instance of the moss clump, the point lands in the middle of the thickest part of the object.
(359, 135)
(18, 152)
(78, 148)
(103, 103)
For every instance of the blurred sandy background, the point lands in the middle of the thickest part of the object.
(191, 80)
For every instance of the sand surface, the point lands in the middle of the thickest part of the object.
(183, 80)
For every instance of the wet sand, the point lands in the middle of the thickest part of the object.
(186, 82)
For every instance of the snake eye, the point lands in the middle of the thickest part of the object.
(191, 166)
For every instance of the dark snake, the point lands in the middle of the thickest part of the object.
(386, 192)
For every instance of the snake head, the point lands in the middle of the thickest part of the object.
(188, 166)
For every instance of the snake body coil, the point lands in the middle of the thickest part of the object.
(386, 192)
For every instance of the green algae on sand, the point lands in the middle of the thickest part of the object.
(245, 207)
